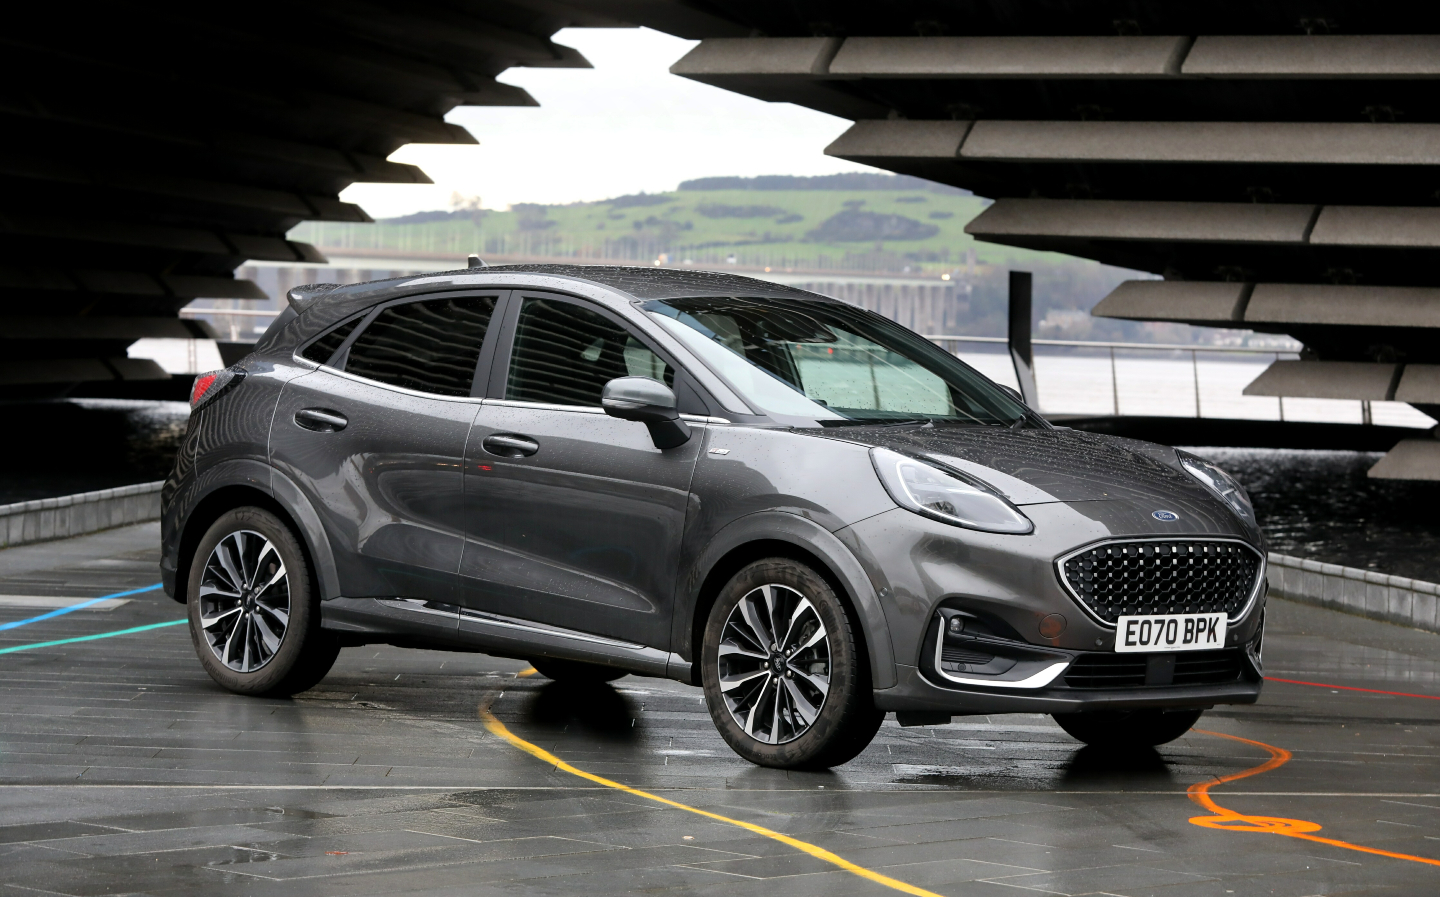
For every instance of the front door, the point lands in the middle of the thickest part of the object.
(375, 438)
(573, 518)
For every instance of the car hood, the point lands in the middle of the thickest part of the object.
(1038, 466)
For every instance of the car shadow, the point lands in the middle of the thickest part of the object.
(596, 708)
(1094, 765)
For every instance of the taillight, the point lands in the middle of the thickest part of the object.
(211, 383)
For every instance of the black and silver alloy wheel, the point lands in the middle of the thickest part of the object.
(774, 664)
(244, 601)
(786, 674)
(254, 613)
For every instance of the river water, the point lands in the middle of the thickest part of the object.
(1312, 504)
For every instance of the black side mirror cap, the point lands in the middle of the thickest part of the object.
(649, 402)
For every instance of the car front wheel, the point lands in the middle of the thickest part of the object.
(786, 680)
(254, 615)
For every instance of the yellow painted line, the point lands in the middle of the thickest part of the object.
(497, 728)
(1231, 821)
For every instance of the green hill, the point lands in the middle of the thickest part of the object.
(858, 222)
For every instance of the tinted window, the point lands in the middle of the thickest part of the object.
(430, 346)
(321, 350)
(564, 354)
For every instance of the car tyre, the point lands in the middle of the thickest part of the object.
(254, 612)
(805, 702)
(1128, 728)
(574, 671)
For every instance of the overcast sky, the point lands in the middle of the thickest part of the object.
(624, 126)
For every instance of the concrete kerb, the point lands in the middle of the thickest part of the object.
(1379, 596)
(74, 515)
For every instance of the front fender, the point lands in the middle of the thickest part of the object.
(779, 526)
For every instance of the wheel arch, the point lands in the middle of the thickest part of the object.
(284, 501)
(779, 534)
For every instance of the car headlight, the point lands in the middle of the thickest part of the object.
(1219, 482)
(943, 496)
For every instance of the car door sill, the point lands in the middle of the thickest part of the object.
(517, 637)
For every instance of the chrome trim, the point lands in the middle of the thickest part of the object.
(468, 400)
(590, 409)
(546, 406)
(480, 616)
(1034, 680)
(417, 605)
(1260, 576)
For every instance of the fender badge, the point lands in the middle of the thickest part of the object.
(1167, 516)
(719, 451)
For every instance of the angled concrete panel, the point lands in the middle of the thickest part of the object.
(1412, 459)
(805, 56)
(1341, 305)
(1420, 383)
(1010, 57)
(1315, 143)
(1377, 226)
(1173, 300)
(900, 139)
(1122, 220)
(1325, 380)
(1315, 56)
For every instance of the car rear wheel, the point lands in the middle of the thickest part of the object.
(574, 671)
(1128, 728)
(254, 614)
(786, 680)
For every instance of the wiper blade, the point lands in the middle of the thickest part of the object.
(888, 422)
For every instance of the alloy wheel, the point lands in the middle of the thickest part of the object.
(774, 664)
(244, 601)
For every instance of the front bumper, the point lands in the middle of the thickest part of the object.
(913, 692)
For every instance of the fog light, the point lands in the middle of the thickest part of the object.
(956, 626)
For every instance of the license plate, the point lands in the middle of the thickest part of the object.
(1170, 632)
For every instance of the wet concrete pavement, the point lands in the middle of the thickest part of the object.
(124, 769)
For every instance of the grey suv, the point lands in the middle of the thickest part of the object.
(808, 510)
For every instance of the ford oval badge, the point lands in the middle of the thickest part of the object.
(1166, 516)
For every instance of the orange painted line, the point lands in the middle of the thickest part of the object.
(1231, 821)
(1373, 691)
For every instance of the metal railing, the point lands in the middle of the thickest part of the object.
(1111, 348)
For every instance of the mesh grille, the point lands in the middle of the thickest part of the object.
(1128, 670)
(1179, 577)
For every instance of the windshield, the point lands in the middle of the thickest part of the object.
(832, 363)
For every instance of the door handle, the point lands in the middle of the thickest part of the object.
(509, 445)
(321, 420)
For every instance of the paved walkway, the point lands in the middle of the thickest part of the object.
(123, 769)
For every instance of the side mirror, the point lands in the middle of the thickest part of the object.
(650, 402)
(1014, 393)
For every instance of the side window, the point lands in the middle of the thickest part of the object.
(324, 347)
(430, 346)
(564, 354)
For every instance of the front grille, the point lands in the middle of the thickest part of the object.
(1131, 670)
(1172, 577)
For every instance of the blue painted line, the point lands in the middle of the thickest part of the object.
(74, 607)
(91, 638)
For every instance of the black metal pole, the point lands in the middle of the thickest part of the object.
(1021, 353)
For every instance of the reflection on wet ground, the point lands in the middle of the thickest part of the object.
(384, 780)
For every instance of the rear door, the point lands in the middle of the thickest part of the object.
(375, 437)
(573, 518)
